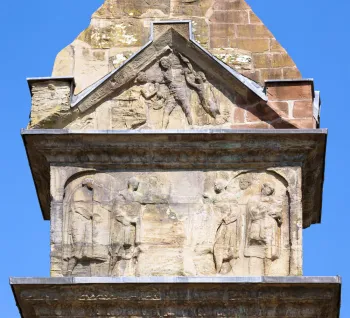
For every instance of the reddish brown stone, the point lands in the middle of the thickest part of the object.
(253, 75)
(241, 101)
(281, 108)
(239, 115)
(303, 109)
(261, 112)
(289, 91)
(293, 124)
(303, 123)
(259, 125)
(248, 100)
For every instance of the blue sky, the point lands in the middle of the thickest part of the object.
(315, 33)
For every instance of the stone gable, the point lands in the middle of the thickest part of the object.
(229, 29)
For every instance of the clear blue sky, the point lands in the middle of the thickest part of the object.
(315, 33)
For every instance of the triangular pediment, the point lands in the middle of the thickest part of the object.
(171, 83)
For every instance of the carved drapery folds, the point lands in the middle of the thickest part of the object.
(179, 223)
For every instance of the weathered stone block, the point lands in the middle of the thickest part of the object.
(252, 45)
(230, 5)
(261, 112)
(262, 60)
(221, 30)
(50, 99)
(290, 90)
(253, 18)
(303, 123)
(239, 115)
(281, 60)
(271, 73)
(303, 109)
(253, 31)
(291, 72)
(282, 108)
(237, 17)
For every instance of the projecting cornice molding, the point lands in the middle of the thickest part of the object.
(207, 149)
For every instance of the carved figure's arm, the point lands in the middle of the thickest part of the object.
(231, 216)
(161, 94)
(190, 82)
(187, 62)
(125, 220)
(276, 213)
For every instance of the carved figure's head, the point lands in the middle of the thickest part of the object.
(244, 183)
(200, 77)
(133, 184)
(88, 183)
(219, 185)
(165, 62)
(141, 78)
(267, 189)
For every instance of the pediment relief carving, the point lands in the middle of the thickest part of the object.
(172, 93)
(171, 83)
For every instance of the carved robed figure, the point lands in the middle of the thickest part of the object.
(88, 229)
(263, 236)
(125, 231)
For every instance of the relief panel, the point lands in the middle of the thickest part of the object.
(172, 93)
(180, 223)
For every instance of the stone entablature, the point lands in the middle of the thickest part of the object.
(215, 203)
(244, 297)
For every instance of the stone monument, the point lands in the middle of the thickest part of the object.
(177, 153)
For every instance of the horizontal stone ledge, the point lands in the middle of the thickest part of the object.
(177, 280)
(176, 132)
(247, 297)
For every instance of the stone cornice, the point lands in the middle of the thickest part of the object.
(191, 297)
(187, 150)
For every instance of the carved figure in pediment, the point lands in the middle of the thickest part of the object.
(87, 219)
(174, 79)
(130, 110)
(198, 81)
(263, 237)
(151, 91)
